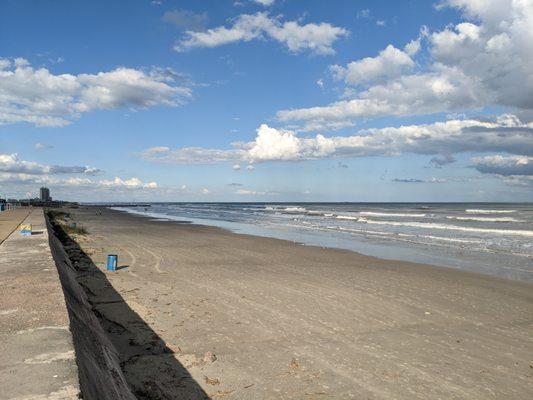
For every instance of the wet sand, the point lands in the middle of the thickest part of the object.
(198, 311)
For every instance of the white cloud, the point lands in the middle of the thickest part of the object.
(205, 191)
(130, 183)
(265, 3)
(443, 139)
(247, 192)
(390, 63)
(445, 88)
(320, 83)
(316, 38)
(190, 155)
(518, 180)
(11, 163)
(274, 144)
(486, 60)
(236, 167)
(41, 98)
(504, 165)
(42, 146)
(19, 175)
(505, 134)
(31, 179)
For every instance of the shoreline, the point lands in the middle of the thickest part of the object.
(228, 230)
(251, 317)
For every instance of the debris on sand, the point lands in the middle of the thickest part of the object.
(209, 357)
(294, 364)
(211, 381)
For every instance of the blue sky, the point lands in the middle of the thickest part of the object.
(267, 100)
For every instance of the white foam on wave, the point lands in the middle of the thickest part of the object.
(486, 219)
(476, 211)
(294, 210)
(381, 214)
(348, 217)
(428, 225)
(445, 239)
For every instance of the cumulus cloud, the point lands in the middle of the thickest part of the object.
(486, 60)
(505, 133)
(11, 163)
(130, 183)
(390, 63)
(506, 165)
(39, 97)
(445, 88)
(20, 173)
(316, 38)
(32, 179)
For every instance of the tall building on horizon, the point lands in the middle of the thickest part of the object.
(45, 194)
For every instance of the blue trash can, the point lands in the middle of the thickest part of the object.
(112, 261)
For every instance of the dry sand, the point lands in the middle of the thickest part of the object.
(212, 313)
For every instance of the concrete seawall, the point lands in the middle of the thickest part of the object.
(99, 370)
(37, 358)
(52, 346)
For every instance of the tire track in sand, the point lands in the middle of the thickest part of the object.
(157, 258)
(132, 264)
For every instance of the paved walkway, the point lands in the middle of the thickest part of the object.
(37, 358)
(10, 220)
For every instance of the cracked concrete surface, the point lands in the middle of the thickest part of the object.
(36, 353)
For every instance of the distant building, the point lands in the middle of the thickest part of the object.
(45, 194)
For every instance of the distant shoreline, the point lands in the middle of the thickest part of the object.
(444, 247)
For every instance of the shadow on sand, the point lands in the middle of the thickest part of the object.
(148, 364)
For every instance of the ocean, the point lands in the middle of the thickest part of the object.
(491, 238)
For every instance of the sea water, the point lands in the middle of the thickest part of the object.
(490, 238)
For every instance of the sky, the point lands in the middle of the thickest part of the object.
(267, 100)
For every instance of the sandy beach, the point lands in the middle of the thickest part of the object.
(200, 312)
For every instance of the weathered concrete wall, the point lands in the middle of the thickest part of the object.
(99, 371)
(37, 358)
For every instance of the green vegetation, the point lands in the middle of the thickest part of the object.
(63, 220)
